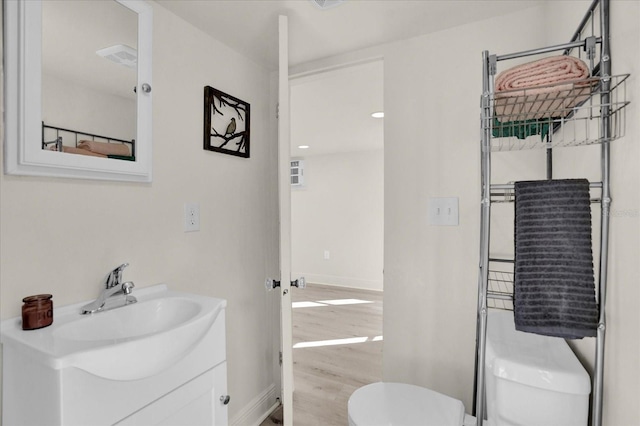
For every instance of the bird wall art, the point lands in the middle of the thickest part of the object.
(226, 123)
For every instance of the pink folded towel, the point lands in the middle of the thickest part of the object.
(543, 72)
(104, 148)
(546, 88)
(72, 150)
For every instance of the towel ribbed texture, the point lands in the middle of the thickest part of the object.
(554, 292)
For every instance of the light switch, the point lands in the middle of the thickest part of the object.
(443, 211)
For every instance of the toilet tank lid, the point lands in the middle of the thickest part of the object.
(539, 361)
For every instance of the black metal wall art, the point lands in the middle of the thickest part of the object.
(226, 123)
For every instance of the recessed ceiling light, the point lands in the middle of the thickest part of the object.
(378, 114)
(303, 146)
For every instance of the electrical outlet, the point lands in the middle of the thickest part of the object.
(443, 211)
(191, 217)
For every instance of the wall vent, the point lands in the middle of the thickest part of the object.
(297, 173)
(121, 55)
(327, 4)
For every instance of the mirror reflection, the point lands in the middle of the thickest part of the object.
(89, 72)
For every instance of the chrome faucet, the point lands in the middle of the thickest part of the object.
(115, 294)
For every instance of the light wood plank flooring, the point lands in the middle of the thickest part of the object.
(337, 349)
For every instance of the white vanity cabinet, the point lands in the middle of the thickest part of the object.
(198, 402)
(175, 376)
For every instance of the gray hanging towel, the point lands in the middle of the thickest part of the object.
(554, 292)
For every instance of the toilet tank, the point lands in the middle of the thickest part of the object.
(532, 379)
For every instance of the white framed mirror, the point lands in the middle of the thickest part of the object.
(78, 99)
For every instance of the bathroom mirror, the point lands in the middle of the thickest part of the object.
(78, 89)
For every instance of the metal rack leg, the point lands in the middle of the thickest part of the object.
(601, 291)
(481, 330)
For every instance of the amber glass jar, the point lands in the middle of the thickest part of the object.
(37, 311)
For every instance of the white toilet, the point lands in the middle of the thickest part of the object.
(530, 380)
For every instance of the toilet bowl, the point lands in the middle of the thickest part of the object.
(401, 404)
(531, 380)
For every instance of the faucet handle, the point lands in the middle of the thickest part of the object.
(115, 277)
(127, 287)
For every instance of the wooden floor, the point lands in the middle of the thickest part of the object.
(337, 349)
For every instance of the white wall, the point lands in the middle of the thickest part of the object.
(432, 98)
(62, 236)
(432, 95)
(77, 107)
(340, 209)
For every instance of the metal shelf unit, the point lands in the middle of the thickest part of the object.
(591, 112)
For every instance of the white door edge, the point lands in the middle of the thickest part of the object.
(284, 191)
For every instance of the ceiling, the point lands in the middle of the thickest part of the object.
(331, 111)
(250, 26)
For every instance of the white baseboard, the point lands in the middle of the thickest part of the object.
(258, 409)
(340, 281)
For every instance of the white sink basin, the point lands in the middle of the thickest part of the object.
(131, 321)
(127, 343)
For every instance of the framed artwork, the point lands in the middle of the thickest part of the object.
(226, 123)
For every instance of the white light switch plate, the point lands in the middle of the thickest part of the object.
(443, 211)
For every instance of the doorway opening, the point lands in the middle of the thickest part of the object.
(337, 221)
